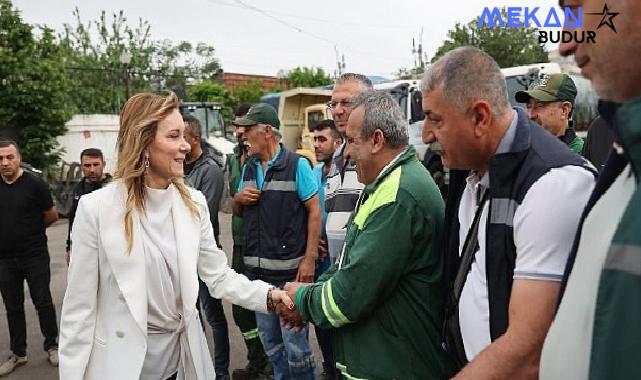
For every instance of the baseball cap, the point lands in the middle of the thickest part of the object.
(550, 88)
(261, 113)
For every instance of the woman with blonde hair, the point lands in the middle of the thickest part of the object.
(139, 244)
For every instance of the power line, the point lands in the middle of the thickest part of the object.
(302, 31)
(296, 28)
(315, 19)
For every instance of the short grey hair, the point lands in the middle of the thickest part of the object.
(465, 75)
(382, 112)
(353, 77)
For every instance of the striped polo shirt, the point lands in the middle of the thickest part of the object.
(341, 194)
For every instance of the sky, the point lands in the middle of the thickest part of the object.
(263, 37)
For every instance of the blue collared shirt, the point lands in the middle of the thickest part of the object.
(306, 183)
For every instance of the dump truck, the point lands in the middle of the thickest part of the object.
(299, 110)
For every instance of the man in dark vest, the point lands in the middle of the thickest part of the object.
(550, 104)
(516, 195)
(257, 366)
(277, 198)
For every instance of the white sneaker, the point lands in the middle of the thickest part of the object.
(53, 357)
(11, 364)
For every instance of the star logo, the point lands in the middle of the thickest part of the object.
(607, 18)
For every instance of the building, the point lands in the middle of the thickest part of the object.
(231, 81)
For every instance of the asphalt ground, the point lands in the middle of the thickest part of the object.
(39, 368)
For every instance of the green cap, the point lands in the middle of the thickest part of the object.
(261, 113)
(550, 88)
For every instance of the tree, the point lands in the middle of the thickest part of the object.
(208, 91)
(93, 51)
(33, 100)
(508, 46)
(250, 92)
(92, 58)
(307, 77)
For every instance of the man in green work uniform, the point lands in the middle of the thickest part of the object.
(384, 296)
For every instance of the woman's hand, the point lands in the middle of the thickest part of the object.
(280, 296)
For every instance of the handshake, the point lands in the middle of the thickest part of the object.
(285, 307)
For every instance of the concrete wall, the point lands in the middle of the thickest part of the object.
(91, 131)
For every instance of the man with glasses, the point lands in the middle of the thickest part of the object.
(550, 104)
(342, 188)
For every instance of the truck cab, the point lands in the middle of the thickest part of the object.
(210, 116)
(298, 110)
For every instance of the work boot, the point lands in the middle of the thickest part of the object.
(52, 356)
(12, 363)
(247, 373)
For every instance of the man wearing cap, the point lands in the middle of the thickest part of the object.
(257, 366)
(550, 104)
(277, 198)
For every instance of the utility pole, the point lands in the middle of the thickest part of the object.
(417, 52)
(340, 65)
(125, 58)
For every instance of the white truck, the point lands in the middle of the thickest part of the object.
(407, 93)
(101, 131)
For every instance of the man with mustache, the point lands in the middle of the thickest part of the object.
(277, 198)
(257, 366)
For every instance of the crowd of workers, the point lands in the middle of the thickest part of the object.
(529, 268)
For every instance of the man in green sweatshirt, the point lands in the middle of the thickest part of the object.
(384, 296)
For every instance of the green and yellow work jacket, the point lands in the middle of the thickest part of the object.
(384, 296)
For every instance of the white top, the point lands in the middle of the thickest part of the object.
(164, 321)
(567, 348)
(544, 227)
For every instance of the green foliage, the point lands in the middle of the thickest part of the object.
(93, 58)
(308, 77)
(250, 92)
(508, 46)
(208, 91)
(93, 64)
(33, 100)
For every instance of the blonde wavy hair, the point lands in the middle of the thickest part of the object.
(138, 125)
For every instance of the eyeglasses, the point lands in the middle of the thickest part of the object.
(344, 103)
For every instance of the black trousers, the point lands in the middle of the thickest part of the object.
(13, 273)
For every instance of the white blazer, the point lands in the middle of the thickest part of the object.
(103, 326)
